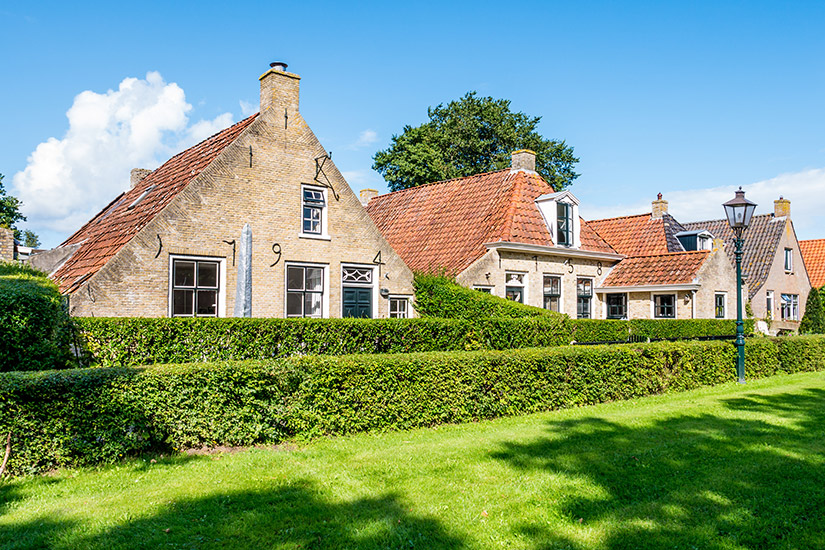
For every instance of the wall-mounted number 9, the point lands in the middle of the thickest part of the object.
(276, 249)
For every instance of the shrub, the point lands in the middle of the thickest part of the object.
(36, 332)
(440, 296)
(91, 416)
(813, 322)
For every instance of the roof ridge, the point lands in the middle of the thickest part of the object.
(672, 253)
(717, 220)
(432, 183)
(622, 217)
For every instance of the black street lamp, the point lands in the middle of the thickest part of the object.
(739, 211)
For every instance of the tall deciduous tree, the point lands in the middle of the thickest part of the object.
(469, 136)
(813, 322)
(10, 215)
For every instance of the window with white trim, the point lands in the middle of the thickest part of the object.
(584, 298)
(790, 307)
(720, 302)
(313, 210)
(484, 289)
(399, 307)
(552, 292)
(788, 259)
(769, 303)
(304, 291)
(195, 287)
(664, 306)
(564, 218)
(514, 289)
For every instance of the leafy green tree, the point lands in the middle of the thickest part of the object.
(813, 322)
(10, 215)
(469, 136)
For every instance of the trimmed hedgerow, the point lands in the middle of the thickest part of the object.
(36, 332)
(91, 416)
(139, 341)
(440, 296)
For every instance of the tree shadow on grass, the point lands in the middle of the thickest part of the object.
(700, 481)
(293, 515)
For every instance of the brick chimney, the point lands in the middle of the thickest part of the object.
(782, 207)
(366, 195)
(279, 90)
(137, 176)
(524, 159)
(659, 207)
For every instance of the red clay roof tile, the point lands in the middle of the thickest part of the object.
(813, 252)
(660, 269)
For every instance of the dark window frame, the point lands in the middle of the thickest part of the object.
(616, 311)
(720, 309)
(313, 205)
(197, 288)
(564, 223)
(552, 293)
(584, 298)
(660, 310)
(303, 292)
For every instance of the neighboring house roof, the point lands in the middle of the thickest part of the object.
(761, 241)
(640, 235)
(109, 231)
(445, 225)
(675, 268)
(813, 253)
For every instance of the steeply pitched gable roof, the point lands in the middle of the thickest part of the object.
(640, 235)
(109, 231)
(813, 252)
(446, 224)
(761, 241)
(673, 268)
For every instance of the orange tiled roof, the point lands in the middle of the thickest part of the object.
(109, 231)
(640, 235)
(672, 268)
(813, 252)
(445, 225)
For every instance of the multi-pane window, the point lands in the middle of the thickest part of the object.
(399, 308)
(790, 307)
(312, 221)
(552, 292)
(195, 288)
(564, 214)
(584, 297)
(719, 302)
(664, 306)
(484, 289)
(769, 303)
(616, 306)
(788, 259)
(514, 289)
(304, 291)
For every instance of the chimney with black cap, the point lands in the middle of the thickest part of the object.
(279, 90)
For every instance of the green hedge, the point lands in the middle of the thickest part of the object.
(91, 416)
(138, 341)
(35, 332)
(441, 297)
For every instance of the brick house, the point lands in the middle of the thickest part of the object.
(772, 265)
(509, 233)
(256, 216)
(813, 253)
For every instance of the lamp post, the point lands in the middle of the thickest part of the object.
(739, 211)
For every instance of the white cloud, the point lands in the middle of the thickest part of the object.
(247, 108)
(365, 138)
(805, 190)
(143, 122)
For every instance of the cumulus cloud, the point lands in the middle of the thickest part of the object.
(138, 125)
(805, 190)
(365, 138)
(247, 108)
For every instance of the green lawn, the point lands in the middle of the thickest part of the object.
(725, 467)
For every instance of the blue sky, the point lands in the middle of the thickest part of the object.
(688, 99)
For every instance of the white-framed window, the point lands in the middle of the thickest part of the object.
(564, 220)
(306, 290)
(196, 286)
(788, 259)
(552, 292)
(616, 305)
(314, 212)
(483, 288)
(514, 286)
(358, 294)
(790, 307)
(664, 306)
(584, 298)
(720, 305)
(769, 303)
(399, 307)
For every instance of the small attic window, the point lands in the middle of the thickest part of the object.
(695, 240)
(565, 223)
(141, 197)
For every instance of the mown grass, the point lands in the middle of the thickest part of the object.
(729, 467)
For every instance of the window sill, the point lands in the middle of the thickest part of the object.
(313, 236)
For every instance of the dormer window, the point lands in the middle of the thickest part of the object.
(564, 217)
(695, 240)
